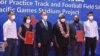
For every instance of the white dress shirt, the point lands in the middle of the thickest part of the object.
(9, 30)
(91, 29)
(45, 23)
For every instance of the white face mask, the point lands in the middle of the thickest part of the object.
(63, 20)
(45, 17)
(13, 17)
(90, 17)
(28, 21)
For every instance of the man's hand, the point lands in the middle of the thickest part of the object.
(97, 41)
(84, 40)
(39, 45)
(5, 44)
(51, 44)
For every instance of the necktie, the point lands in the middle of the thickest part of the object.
(46, 25)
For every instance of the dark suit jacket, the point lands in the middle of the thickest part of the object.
(43, 35)
(73, 33)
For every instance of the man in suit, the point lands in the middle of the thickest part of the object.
(76, 46)
(44, 35)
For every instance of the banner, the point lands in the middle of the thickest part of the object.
(53, 7)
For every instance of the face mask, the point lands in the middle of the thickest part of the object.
(28, 21)
(90, 17)
(76, 21)
(13, 17)
(63, 20)
(45, 17)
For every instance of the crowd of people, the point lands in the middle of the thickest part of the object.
(59, 36)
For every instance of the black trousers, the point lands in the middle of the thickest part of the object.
(76, 49)
(90, 45)
(43, 50)
(62, 51)
(11, 48)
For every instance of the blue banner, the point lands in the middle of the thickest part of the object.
(53, 7)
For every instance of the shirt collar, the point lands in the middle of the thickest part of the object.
(43, 21)
(89, 21)
(10, 21)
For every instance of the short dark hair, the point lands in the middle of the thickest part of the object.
(9, 12)
(90, 12)
(25, 18)
(42, 12)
